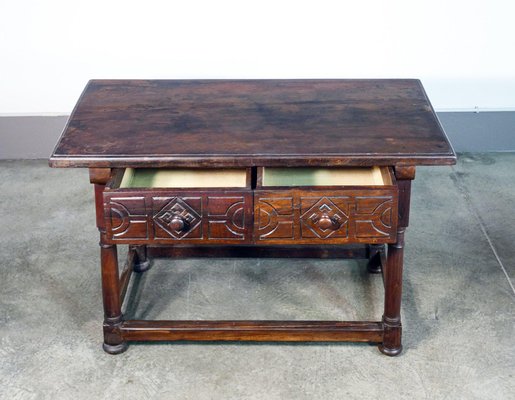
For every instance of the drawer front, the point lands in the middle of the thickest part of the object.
(164, 216)
(321, 216)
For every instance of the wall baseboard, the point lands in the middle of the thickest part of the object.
(480, 132)
(31, 137)
(34, 137)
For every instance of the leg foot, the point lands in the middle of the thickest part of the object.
(141, 262)
(115, 348)
(374, 267)
(142, 266)
(375, 261)
(390, 351)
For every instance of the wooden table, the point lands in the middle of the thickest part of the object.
(252, 168)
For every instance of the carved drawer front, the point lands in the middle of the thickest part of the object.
(326, 216)
(163, 216)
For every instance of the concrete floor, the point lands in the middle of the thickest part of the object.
(458, 306)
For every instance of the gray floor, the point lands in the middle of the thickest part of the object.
(458, 309)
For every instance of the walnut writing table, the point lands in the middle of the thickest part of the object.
(257, 168)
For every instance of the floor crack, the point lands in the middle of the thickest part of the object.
(466, 195)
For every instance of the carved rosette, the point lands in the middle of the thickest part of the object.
(177, 210)
(324, 219)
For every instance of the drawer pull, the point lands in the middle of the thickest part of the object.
(326, 222)
(178, 224)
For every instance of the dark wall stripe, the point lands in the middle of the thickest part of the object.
(29, 137)
(483, 131)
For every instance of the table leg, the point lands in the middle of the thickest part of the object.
(394, 265)
(374, 261)
(393, 291)
(142, 261)
(113, 341)
(113, 318)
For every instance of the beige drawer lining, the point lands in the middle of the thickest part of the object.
(183, 178)
(360, 176)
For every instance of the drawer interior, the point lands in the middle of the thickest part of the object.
(348, 176)
(183, 178)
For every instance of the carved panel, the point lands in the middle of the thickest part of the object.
(226, 217)
(163, 216)
(188, 209)
(374, 217)
(316, 216)
(126, 218)
(274, 218)
(284, 216)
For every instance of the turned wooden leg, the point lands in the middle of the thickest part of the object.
(141, 262)
(391, 345)
(374, 265)
(392, 274)
(113, 341)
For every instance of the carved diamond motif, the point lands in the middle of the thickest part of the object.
(324, 208)
(177, 207)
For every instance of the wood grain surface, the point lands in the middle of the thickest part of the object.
(217, 123)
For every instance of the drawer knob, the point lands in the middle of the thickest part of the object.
(326, 222)
(178, 223)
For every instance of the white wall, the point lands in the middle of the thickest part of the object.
(462, 50)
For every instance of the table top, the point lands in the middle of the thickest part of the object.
(229, 123)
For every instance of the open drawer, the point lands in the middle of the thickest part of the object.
(160, 206)
(325, 205)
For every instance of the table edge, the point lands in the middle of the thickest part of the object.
(218, 161)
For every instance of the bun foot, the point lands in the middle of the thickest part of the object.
(115, 348)
(377, 259)
(390, 352)
(374, 267)
(142, 266)
(141, 261)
